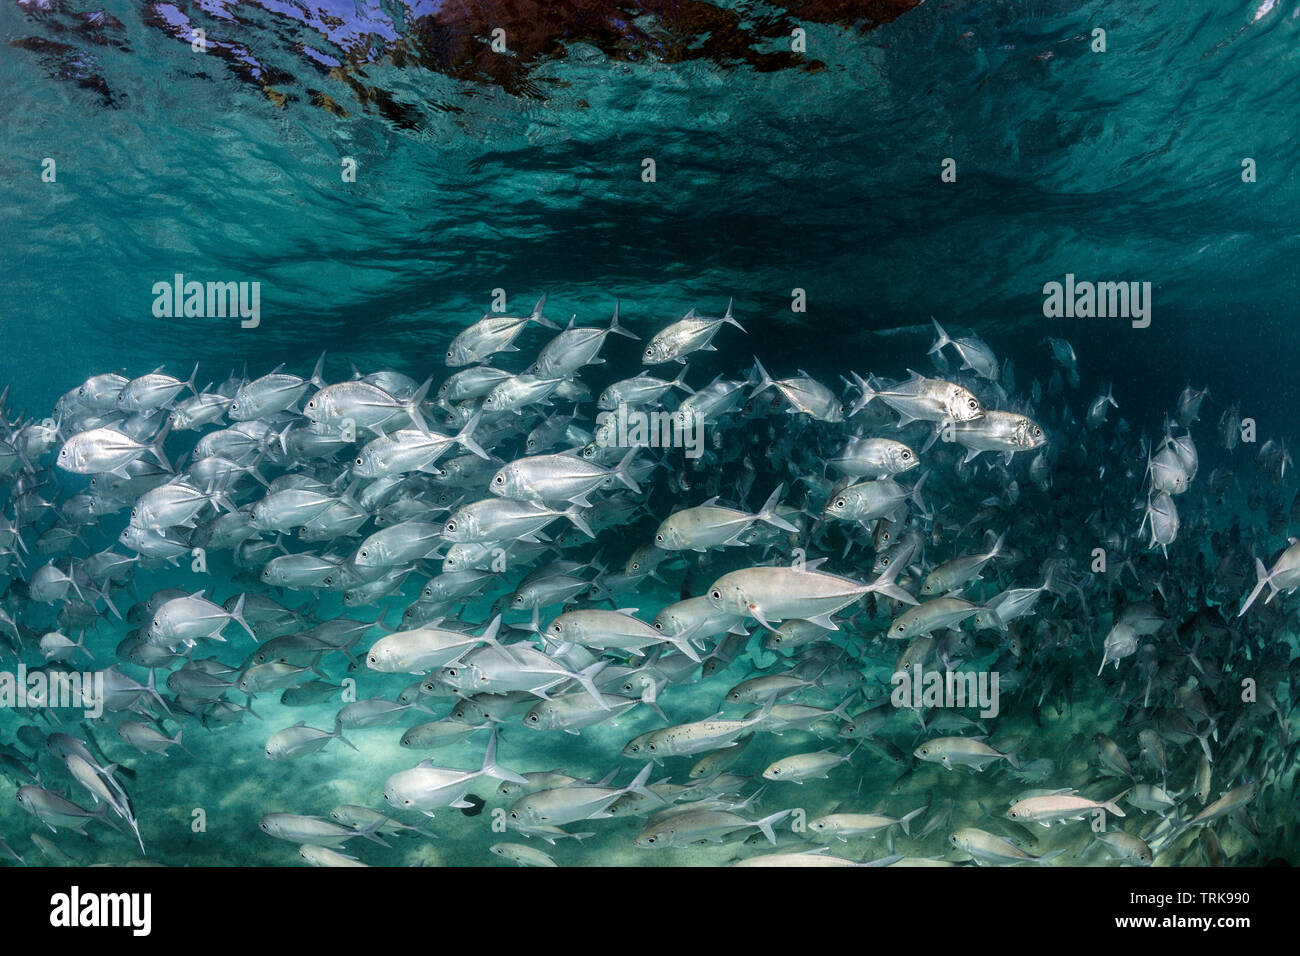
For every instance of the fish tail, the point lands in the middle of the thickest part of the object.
(156, 446)
(618, 329)
(764, 380)
(412, 407)
(317, 375)
(731, 319)
(338, 732)
(586, 677)
(491, 768)
(465, 438)
(237, 615)
(767, 514)
(574, 514)
(683, 644)
(765, 825)
(539, 318)
(622, 473)
(1112, 804)
(942, 339)
(1261, 575)
(905, 821)
(638, 784)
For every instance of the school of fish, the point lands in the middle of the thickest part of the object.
(677, 647)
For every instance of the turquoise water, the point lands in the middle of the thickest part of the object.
(774, 172)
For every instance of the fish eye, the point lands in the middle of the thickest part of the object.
(514, 814)
(451, 526)
(905, 455)
(448, 353)
(451, 672)
(1037, 431)
(650, 746)
(840, 502)
(636, 565)
(499, 480)
(659, 537)
(924, 751)
(532, 718)
(649, 351)
(972, 404)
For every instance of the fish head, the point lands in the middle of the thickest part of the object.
(459, 527)
(669, 536)
(460, 677)
(70, 458)
(962, 405)
(458, 354)
(643, 746)
(899, 458)
(366, 464)
(657, 352)
(319, 407)
(729, 595)
(507, 483)
(648, 841)
(540, 718)
(836, 505)
(1029, 434)
(241, 408)
(371, 554)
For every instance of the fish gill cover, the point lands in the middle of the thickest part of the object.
(684, 433)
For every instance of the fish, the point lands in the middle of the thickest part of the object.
(691, 333)
(688, 623)
(1056, 807)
